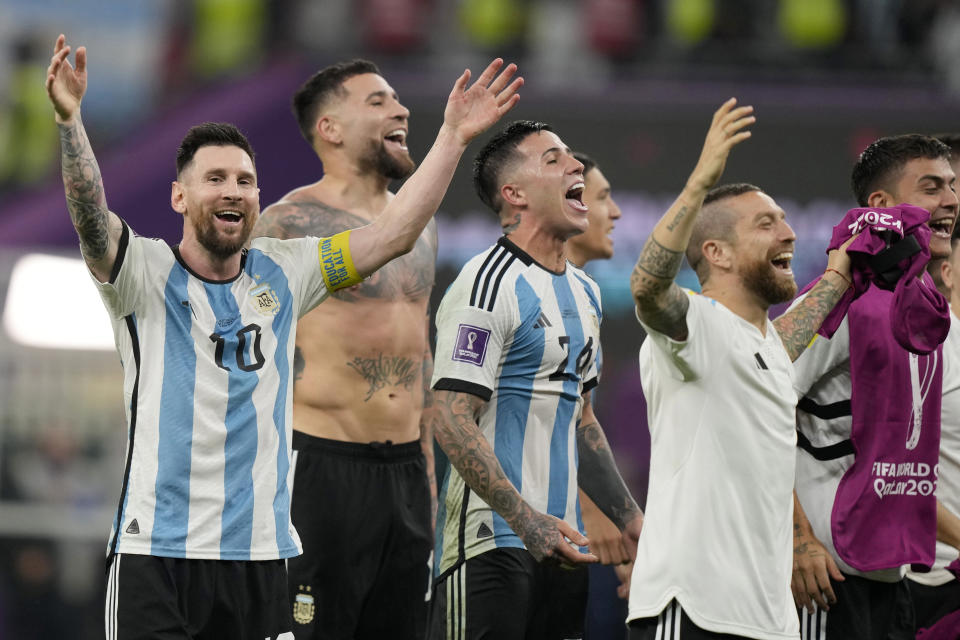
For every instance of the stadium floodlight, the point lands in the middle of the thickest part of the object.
(52, 303)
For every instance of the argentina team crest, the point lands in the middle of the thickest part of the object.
(265, 300)
(303, 608)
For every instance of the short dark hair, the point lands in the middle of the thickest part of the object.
(714, 222)
(587, 162)
(218, 134)
(494, 157)
(320, 87)
(881, 163)
(952, 140)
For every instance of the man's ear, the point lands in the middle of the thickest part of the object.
(718, 253)
(328, 129)
(178, 198)
(880, 199)
(513, 195)
(946, 274)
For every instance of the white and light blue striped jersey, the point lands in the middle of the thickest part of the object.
(207, 388)
(525, 339)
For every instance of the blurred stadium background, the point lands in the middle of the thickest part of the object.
(631, 82)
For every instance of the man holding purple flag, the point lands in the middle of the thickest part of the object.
(868, 418)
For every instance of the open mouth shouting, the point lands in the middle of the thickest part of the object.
(781, 262)
(942, 227)
(397, 139)
(574, 197)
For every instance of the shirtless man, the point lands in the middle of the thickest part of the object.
(363, 484)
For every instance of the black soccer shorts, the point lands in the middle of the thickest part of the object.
(150, 597)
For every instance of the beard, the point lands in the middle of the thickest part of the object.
(378, 160)
(762, 279)
(218, 244)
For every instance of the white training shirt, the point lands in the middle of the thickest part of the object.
(207, 388)
(717, 530)
(526, 340)
(948, 481)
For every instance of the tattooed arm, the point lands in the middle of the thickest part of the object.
(813, 566)
(473, 457)
(660, 303)
(99, 229)
(798, 325)
(600, 479)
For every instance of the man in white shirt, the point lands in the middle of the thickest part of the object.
(714, 557)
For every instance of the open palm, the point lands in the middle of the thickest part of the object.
(471, 111)
(66, 85)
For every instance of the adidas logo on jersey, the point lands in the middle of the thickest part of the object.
(483, 531)
(134, 527)
(542, 322)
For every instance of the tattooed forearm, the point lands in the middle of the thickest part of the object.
(798, 326)
(667, 314)
(599, 478)
(678, 218)
(658, 261)
(83, 186)
(660, 302)
(385, 370)
(470, 453)
(473, 458)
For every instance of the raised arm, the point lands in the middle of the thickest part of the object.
(797, 326)
(99, 229)
(660, 302)
(600, 479)
(470, 111)
(473, 457)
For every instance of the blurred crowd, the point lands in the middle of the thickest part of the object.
(157, 52)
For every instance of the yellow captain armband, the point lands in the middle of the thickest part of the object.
(336, 264)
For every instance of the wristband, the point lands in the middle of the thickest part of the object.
(845, 279)
(336, 264)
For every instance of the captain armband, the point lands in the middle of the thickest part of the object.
(336, 264)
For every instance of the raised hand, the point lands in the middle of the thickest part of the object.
(66, 85)
(549, 539)
(471, 111)
(726, 131)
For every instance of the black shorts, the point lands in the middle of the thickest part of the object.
(932, 603)
(865, 610)
(149, 597)
(672, 624)
(363, 515)
(504, 594)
